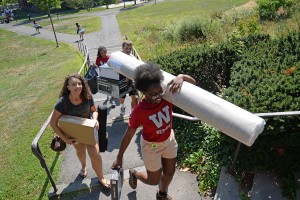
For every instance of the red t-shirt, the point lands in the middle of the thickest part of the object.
(156, 120)
(101, 61)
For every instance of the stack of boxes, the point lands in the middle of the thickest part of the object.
(109, 82)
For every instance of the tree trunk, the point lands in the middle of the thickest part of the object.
(106, 4)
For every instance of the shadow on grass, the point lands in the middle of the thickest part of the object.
(42, 194)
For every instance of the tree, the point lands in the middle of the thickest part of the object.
(45, 4)
(7, 2)
(78, 4)
(106, 2)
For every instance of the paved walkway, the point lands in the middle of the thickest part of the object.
(184, 185)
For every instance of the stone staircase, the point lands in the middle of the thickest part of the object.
(265, 185)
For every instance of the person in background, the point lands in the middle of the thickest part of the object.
(80, 31)
(36, 26)
(77, 100)
(158, 143)
(102, 58)
(127, 48)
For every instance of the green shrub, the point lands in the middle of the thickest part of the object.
(197, 142)
(260, 75)
(234, 16)
(249, 26)
(196, 29)
(274, 9)
(210, 65)
(267, 79)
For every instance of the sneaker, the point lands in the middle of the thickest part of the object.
(132, 179)
(164, 196)
(113, 103)
(122, 111)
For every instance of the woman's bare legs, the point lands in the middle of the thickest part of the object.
(96, 160)
(81, 154)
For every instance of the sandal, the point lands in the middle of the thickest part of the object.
(105, 183)
(83, 173)
(132, 179)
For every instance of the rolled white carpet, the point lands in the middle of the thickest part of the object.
(215, 111)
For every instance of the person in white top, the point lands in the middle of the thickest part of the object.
(126, 48)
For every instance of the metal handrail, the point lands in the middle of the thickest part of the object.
(83, 49)
(34, 145)
(237, 150)
(272, 114)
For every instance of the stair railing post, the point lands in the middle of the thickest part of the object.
(235, 157)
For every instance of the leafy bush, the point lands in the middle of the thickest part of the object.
(274, 9)
(191, 30)
(249, 26)
(233, 16)
(210, 65)
(267, 79)
(258, 74)
(197, 142)
(78, 4)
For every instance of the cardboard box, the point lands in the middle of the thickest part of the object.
(82, 129)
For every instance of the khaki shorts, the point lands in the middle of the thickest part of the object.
(153, 152)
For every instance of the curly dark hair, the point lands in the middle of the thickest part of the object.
(99, 50)
(146, 75)
(85, 93)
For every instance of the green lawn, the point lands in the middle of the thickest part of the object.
(144, 25)
(22, 16)
(67, 25)
(32, 71)
(81, 11)
(148, 26)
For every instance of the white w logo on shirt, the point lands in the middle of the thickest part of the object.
(159, 117)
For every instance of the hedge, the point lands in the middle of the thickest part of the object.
(258, 74)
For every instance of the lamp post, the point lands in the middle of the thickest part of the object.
(52, 26)
(124, 3)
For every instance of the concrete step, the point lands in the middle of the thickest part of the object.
(266, 185)
(184, 186)
(228, 188)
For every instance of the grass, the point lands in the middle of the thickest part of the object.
(67, 25)
(80, 11)
(32, 71)
(23, 15)
(145, 25)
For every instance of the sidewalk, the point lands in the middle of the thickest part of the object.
(183, 187)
